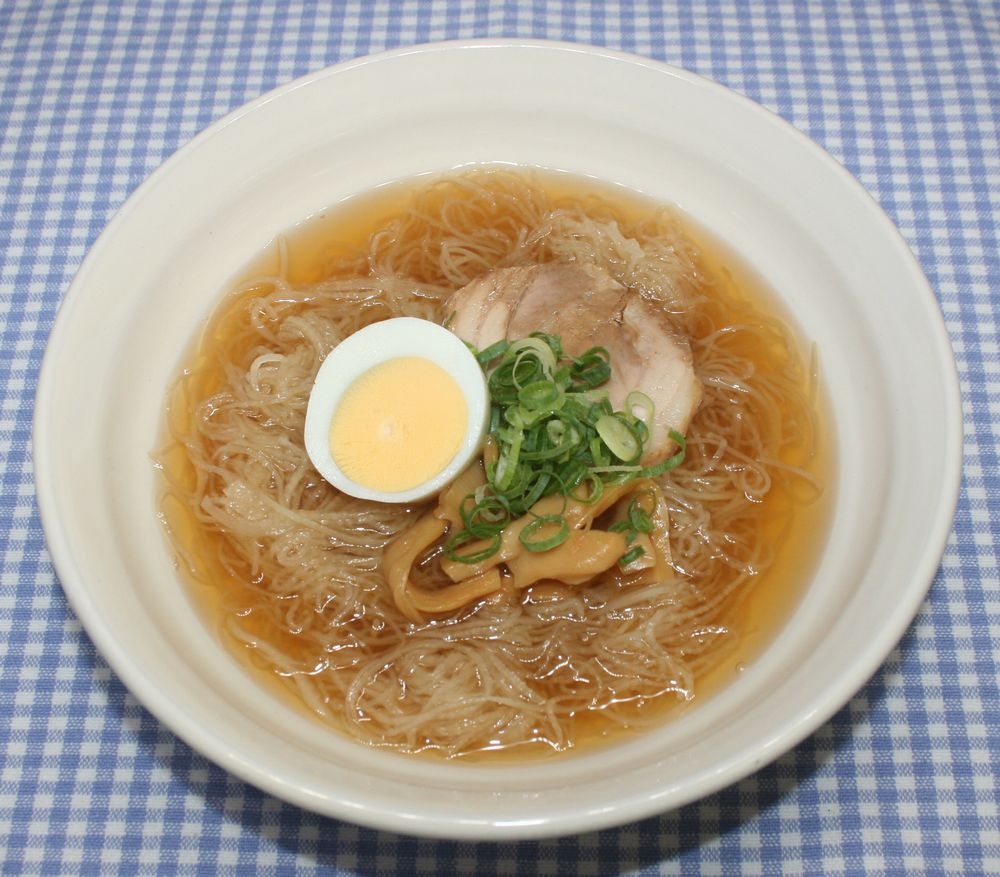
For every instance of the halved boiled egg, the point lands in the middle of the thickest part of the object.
(397, 411)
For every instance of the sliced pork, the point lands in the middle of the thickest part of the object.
(586, 307)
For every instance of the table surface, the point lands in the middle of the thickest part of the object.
(95, 95)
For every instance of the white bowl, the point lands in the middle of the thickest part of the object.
(800, 219)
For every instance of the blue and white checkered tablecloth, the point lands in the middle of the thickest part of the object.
(95, 95)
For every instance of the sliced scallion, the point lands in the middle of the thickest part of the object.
(552, 431)
(544, 533)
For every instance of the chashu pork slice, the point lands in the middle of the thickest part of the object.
(586, 307)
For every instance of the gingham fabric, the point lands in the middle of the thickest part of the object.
(904, 779)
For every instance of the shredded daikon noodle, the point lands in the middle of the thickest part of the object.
(296, 564)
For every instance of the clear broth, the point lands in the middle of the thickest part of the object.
(754, 617)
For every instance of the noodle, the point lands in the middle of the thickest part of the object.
(297, 565)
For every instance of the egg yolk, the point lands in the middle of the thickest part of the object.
(398, 424)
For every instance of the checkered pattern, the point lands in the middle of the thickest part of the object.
(94, 95)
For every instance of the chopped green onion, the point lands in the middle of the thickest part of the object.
(596, 489)
(541, 396)
(493, 351)
(485, 516)
(638, 399)
(465, 536)
(637, 520)
(544, 524)
(633, 554)
(555, 433)
(658, 469)
(620, 440)
(592, 368)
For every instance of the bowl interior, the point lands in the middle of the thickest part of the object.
(835, 261)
